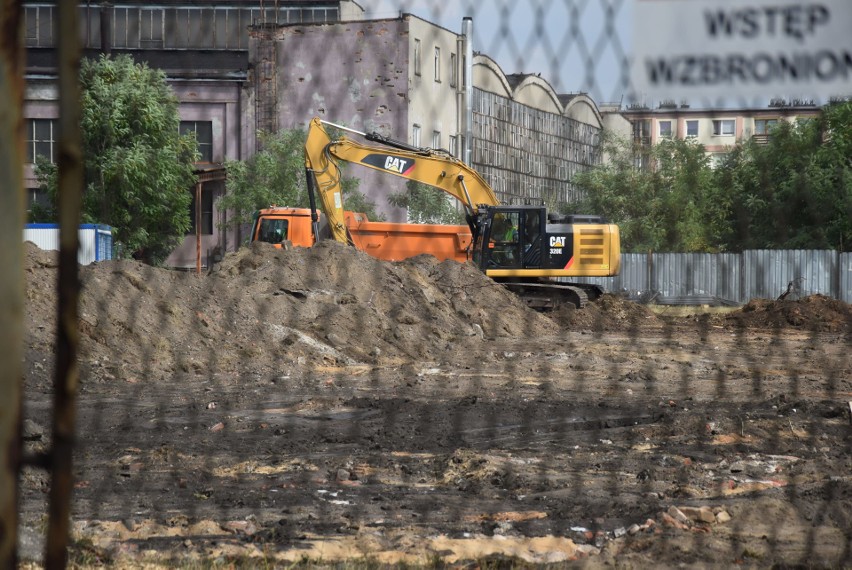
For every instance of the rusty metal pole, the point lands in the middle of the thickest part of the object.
(198, 228)
(70, 155)
(12, 275)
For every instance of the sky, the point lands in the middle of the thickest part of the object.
(575, 45)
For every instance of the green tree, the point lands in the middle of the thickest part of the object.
(795, 190)
(427, 205)
(137, 168)
(276, 176)
(671, 206)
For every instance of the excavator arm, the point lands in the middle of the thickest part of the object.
(435, 168)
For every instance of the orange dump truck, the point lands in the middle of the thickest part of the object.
(384, 240)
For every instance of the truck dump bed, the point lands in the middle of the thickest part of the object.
(396, 241)
(389, 241)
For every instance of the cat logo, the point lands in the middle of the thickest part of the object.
(557, 241)
(395, 164)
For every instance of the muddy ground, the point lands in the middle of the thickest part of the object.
(317, 404)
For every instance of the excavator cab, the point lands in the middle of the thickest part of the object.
(509, 237)
(529, 250)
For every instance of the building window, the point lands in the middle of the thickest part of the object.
(436, 139)
(125, 28)
(38, 26)
(665, 129)
(42, 138)
(215, 27)
(415, 135)
(454, 70)
(316, 14)
(691, 129)
(438, 64)
(454, 146)
(416, 56)
(641, 131)
(206, 213)
(151, 28)
(723, 127)
(203, 137)
(763, 126)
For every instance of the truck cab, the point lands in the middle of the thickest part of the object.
(276, 225)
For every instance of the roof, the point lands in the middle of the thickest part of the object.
(515, 79)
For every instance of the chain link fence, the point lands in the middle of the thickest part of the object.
(318, 406)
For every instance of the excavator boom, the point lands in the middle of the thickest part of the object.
(435, 168)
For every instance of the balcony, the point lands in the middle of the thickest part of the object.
(760, 138)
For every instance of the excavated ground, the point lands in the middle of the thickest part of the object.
(318, 404)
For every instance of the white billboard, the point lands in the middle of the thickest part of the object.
(701, 49)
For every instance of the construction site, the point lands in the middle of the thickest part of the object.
(546, 389)
(317, 405)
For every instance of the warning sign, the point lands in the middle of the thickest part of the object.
(688, 49)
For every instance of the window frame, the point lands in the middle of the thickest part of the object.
(34, 142)
(417, 56)
(767, 125)
(39, 29)
(660, 124)
(437, 64)
(686, 125)
(152, 27)
(201, 145)
(718, 127)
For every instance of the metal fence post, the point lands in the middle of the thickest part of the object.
(67, 340)
(12, 276)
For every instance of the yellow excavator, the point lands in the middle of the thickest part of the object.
(533, 253)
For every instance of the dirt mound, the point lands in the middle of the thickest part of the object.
(265, 309)
(815, 313)
(37, 257)
(608, 313)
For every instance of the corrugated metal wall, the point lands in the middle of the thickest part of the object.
(770, 271)
(845, 277)
(95, 240)
(704, 278)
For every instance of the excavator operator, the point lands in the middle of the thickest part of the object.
(511, 235)
(505, 241)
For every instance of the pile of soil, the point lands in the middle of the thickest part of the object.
(607, 313)
(816, 313)
(263, 309)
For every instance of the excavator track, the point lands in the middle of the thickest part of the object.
(550, 296)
